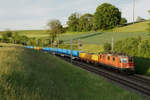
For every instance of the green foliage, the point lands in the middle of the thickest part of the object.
(128, 46)
(7, 36)
(55, 28)
(138, 48)
(18, 39)
(144, 48)
(73, 22)
(107, 47)
(123, 21)
(142, 65)
(106, 16)
(86, 22)
(14, 37)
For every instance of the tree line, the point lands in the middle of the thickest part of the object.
(106, 16)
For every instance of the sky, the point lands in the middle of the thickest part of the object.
(35, 14)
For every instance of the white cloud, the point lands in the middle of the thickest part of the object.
(34, 14)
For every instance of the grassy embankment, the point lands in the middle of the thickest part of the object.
(9, 45)
(27, 74)
(138, 27)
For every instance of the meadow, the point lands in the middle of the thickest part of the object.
(137, 27)
(33, 75)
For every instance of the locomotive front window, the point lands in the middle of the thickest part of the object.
(123, 60)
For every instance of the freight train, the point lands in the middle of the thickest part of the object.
(119, 62)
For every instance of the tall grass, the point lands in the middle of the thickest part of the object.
(34, 75)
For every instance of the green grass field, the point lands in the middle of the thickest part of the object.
(126, 31)
(9, 45)
(137, 27)
(100, 38)
(33, 75)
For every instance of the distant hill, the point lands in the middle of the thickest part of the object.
(137, 27)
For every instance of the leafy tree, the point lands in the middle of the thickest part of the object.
(123, 21)
(18, 39)
(107, 47)
(7, 36)
(128, 46)
(86, 22)
(73, 22)
(55, 28)
(106, 16)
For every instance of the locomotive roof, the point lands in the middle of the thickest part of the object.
(116, 54)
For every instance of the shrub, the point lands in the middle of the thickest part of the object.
(107, 47)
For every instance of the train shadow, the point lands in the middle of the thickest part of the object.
(142, 65)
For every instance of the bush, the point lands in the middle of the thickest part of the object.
(6, 37)
(138, 48)
(123, 21)
(128, 46)
(107, 47)
(144, 48)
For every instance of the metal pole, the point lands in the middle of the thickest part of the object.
(37, 43)
(112, 44)
(133, 11)
(71, 50)
(57, 42)
(51, 43)
(79, 44)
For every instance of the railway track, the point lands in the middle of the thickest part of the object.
(134, 83)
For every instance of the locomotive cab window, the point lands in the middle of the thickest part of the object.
(108, 58)
(113, 59)
(100, 56)
(103, 57)
(123, 60)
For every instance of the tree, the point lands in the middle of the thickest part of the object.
(86, 22)
(128, 46)
(107, 47)
(106, 16)
(55, 28)
(19, 39)
(139, 19)
(73, 22)
(7, 36)
(123, 21)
